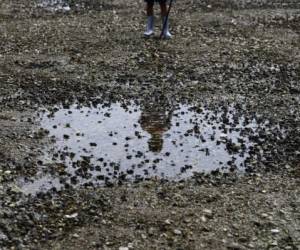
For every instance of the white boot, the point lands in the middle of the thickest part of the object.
(166, 32)
(150, 25)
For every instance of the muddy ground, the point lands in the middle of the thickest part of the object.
(245, 53)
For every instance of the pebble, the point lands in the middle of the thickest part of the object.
(251, 246)
(167, 222)
(275, 231)
(264, 215)
(123, 248)
(208, 212)
(203, 219)
(75, 235)
(151, 231)
(3, 237)
(274, 243)
(130, 245)
(177, 232)
(235, 246)
(71, 216)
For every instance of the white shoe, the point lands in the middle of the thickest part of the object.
(167, 35)
(148, 33)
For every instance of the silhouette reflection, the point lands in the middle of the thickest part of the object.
(156, 120)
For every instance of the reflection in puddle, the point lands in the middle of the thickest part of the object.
(107, 143)
(156, 120)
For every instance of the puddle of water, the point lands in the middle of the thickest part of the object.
(42, 183)
(107, 143)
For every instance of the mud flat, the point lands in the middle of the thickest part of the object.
(111, 141)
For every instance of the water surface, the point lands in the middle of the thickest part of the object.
(107, 143)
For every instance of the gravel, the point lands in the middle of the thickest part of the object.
(223, 53)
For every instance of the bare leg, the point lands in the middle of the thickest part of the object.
(163, 9)
(149, 9)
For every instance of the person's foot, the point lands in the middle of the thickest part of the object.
(148, 33)
(166, 33)
(150, 25)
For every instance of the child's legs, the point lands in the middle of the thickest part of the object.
(163, 8)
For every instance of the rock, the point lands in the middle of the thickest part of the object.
(130, 245)
(203, 218)
(71, 216)
(151, 231)
(208, 213)
(167, 222)
(275, 231)
(264, 215)
(75, 235)
(274, 243)
(177, 232)
(3, 237)
(7, 172)
(235, 246)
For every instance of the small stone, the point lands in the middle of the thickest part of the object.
(151, 231)
(208, 212)
(235, 246)
(177, 232)
(123, 248)
(71, 216)
(203, 218)
(66, 137)
(187, 220)
(287, 166)
(275, 231)
(167, 222)
(274, 243)
(7, 172)
(75, 235)
(251, 246)
(3, 237)
(130, 245)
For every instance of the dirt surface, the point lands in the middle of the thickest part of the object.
(225, 52)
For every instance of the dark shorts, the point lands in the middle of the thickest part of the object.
(156, 1)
